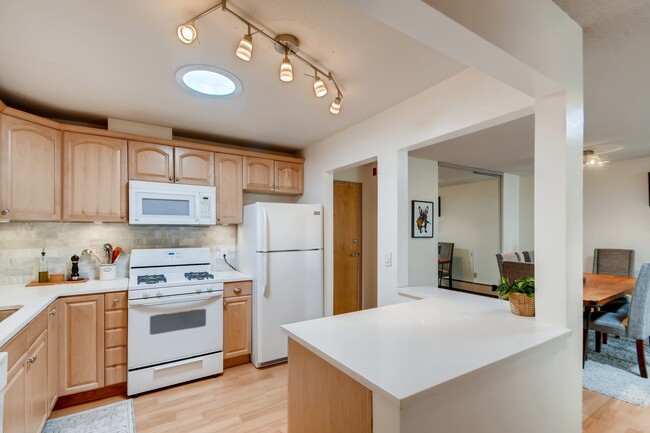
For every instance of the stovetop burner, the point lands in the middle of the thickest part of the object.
(151, 279)
(199, 276)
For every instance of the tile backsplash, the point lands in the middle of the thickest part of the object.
(22, 242)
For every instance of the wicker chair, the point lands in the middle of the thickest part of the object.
(515, 270)
(529, 256)
(509, 257)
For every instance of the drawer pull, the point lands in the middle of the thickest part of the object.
(52, 313)
(237, 290)
(115, 301)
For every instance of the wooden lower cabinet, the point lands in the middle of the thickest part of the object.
(38, 404)
(53, 352)
(115, 350)
(81, 322)
(15, 410)
(237, 315)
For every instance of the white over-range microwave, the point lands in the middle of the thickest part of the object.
(160, 203)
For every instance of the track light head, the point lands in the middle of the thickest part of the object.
(286, 70)
(335, 108)
(186, 33)
(319, 87)
(245, 48)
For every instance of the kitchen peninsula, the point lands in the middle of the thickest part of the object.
(450, 362)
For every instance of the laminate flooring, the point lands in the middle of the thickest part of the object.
(247, 400)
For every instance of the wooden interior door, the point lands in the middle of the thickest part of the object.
(347, 247)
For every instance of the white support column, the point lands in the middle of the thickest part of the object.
(510, 213)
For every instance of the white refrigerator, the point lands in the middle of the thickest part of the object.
(281, 246)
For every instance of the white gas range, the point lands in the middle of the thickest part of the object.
(175, 318)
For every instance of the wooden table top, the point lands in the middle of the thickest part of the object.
(600, 289)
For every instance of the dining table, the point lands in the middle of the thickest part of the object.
(598, 290)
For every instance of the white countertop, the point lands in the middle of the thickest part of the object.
(405, 350)
(36, 299)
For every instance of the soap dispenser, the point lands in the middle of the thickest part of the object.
(43, 273)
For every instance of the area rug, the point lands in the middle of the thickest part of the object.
(614, 372)
(112, 418)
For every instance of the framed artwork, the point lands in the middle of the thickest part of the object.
(421, 219)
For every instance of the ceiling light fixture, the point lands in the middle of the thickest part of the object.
(245, 48)
(286, 70)
(591, 159)
(285, 44)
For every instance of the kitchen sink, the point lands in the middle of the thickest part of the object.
(7, 311)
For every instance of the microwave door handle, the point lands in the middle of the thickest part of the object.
(197, 207)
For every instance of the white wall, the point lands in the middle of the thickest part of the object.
(363, 174)
(527, 212)
(509, 212)
(470, 219)
(423, 252)
(616, 209)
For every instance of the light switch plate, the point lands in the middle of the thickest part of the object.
(388, 259)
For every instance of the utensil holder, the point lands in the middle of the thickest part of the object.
(107, 272)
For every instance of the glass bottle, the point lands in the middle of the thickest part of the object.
(43, 273)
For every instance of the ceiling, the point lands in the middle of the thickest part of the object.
(89, 60)
(451, 176)
(617, 89)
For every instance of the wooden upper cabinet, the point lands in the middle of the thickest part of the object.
(258, 174)
(228, 176)
(288, 177)
(151, 162)
(30, 170)
(95, 178)
(194, 167)
(81, 327)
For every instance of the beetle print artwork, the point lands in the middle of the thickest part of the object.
(421, 212)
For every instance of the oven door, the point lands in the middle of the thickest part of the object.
(173, 328)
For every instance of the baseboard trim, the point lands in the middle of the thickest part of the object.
(237, 360)
(88, 396)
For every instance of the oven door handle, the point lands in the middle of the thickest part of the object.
(178, 364)
(174, 300)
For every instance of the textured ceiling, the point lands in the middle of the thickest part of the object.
(89, 60)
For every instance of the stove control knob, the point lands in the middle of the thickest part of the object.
(210, 289)
(199, 290)
(145, 295)
(158, 293)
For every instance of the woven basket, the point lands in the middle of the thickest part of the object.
(522, 305)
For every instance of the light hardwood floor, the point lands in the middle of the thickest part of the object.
(247, 400)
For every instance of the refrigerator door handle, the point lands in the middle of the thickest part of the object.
(265, 230)
(266, 275)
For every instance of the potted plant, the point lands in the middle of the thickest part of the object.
(521, 294)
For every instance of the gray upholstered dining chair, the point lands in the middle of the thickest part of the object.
(634, 324)
(614, 262)
(507, 257)
(529, 256)
(445, 251)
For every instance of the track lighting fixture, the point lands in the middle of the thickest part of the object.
(284, 43)
(319, 87)
(186, 33)
(286, 70)
(245, 48)
(335, 108)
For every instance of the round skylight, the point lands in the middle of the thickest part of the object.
(207, 80)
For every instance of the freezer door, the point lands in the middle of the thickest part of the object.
(286, 227)
(289, 289)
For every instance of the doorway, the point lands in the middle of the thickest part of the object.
(348, 295)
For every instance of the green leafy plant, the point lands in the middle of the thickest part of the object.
(524, 285)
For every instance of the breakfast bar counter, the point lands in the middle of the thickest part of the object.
(417, 363)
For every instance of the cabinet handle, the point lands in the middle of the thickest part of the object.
(237, 290)
(123, 216)
(52, 313)
(31, 360)
(115, 301)
(171, 178)
(6, 211)
(178, 179)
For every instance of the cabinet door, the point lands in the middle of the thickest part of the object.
(228, 173)
(236, 326)
(81, 326)
(258, 174)
(53, 358)
(194, 167)
(15, 400)
(38, 405)
(95, 178)
(31, 170)
(288, 177)
(151, 162)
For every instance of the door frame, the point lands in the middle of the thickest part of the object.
(359, 243)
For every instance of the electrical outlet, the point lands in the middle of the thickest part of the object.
(224, 252)
(475, 275)
(388, 259)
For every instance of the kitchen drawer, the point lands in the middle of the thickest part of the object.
(115, 338)
(115, 319)
(240, 288)
(115, 356)
(115, 374)
(37, 326)
(16, 347)
(115, 301)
